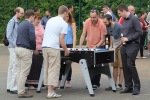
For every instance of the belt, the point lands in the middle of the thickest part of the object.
(24, 47)
(133, 42)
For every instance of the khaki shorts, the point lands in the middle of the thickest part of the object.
(118, 62)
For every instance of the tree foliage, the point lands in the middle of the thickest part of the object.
(7, 7)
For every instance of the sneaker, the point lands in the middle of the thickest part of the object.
(95, 87)
(25, 95)
(119, 87)
(53, 95)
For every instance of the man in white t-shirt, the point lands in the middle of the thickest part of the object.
(55, 31)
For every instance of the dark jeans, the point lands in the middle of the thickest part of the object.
(96, 80)
(62, 69)
(128, 54)
(142, 41)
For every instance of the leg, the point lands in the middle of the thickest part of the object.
(142, 40)
(132, 53)
(115, 74)
(13, 86)
(126, 71)
(121, 76)
(24, 70)
(67, 69)
(9, 74)
(69, 78)
(53, 71)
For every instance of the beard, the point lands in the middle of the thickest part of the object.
(109, 24)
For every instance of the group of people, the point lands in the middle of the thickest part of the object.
(37, 40)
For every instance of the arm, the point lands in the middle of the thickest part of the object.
(82, 39)
(63, 44)
(74, 34)
(111, 43)
(9, 31)
(103, 34)
(101, 41)
(138, 30)
(32, 37)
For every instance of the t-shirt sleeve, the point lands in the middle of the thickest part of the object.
(64, 28)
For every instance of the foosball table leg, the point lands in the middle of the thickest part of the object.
(85, 71)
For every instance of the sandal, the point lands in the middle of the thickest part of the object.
(53, 95)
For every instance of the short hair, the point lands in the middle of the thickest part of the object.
(69, 6)
(143, 12)
(48, 10)
(36, 9)
(107, 16)
(94, 10)
(29, 13)
(122, 7)
(62, 9)
(105, 6)
(17, 9)
(130, 6)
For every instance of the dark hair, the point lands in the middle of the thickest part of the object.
(108, 17)
(69, 6)
(36, 9)
(122, 7)
(29, 13)
(94, 10)
(142, 13)
(105, 6)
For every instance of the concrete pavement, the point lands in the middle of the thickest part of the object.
(78, 91)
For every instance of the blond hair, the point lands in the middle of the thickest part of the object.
(62, 9)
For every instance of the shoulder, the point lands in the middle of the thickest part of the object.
(87, 20)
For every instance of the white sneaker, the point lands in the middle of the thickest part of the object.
(53, 95)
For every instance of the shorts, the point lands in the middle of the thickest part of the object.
(118, 61)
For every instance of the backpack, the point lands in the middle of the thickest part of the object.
(5, 40)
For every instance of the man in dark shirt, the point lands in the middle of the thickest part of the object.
(46, 18)
(131, 30)
(25, 45)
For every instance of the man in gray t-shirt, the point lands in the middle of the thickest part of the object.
(114, 30)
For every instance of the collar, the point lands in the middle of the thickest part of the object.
(129, 17)
(16, 20)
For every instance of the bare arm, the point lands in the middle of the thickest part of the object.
(111, 43)
(82, 39)
(101, 41)
(63, 44)
(74, 34)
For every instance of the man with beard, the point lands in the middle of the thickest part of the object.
(46, 18)
(114, 29)
(11, 33)
(96, 31)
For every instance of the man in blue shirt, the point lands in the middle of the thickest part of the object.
(11, 33)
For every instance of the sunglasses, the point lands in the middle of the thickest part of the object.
(94, 10)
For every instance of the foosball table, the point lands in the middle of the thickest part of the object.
(91, 61)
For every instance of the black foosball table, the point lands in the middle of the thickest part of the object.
(91, 61)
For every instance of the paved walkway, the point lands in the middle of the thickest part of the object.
(78, 91)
